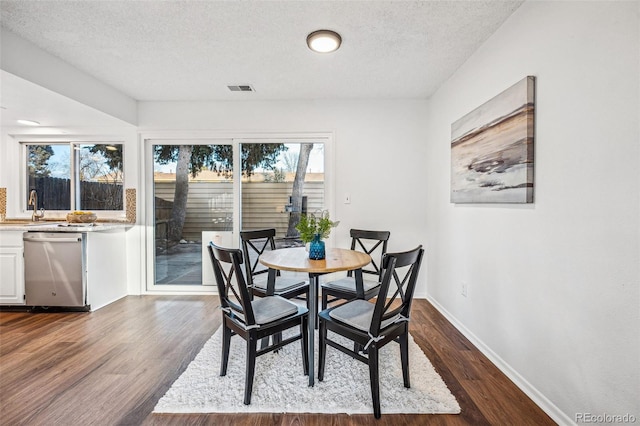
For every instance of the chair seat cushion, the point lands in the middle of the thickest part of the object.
(349, 284)
(358, 314)
(272, 308)
(282, 283)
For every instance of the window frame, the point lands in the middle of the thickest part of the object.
(73, 160)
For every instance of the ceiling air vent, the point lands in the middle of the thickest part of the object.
(241, 88)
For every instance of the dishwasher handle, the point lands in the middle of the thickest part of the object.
(52, 239)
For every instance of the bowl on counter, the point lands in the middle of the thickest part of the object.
(81, 217)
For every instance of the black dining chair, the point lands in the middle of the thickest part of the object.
(373, 325)
(253, 320)
(254, 243)
(374, 243)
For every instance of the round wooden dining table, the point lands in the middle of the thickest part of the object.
(297, 260)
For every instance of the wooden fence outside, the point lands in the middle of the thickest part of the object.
(55, 194)
(210, 206)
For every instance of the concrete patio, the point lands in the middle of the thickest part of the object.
(181, 264)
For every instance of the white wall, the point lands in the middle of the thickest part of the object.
(24, 59)
(379, 150)
(553, 286)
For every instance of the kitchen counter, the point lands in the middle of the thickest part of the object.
(61, 226)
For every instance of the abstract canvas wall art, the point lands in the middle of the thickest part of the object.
(492, 149)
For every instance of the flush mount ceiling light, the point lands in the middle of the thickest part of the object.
(28, 122)
(324, 41)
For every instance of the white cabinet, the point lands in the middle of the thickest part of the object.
(106, 267)
(11, 268)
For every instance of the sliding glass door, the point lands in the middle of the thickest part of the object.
(192, 203)
(202, 190)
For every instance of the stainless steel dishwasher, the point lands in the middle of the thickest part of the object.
(54, 269)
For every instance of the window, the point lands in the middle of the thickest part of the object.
(75, 175)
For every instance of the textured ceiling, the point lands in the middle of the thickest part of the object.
(191, 50)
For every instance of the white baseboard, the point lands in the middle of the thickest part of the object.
(538, 398)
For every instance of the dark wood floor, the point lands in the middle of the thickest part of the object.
(111, 366)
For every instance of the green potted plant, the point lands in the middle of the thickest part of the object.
(314, 228)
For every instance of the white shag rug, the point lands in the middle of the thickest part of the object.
(281, 387)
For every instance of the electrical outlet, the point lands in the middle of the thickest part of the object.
(463, 289)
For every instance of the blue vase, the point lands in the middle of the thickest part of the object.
(316, 248)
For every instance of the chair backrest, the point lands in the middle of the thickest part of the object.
(254, 243)
(232, 288)
(400, 272)
(374, 243)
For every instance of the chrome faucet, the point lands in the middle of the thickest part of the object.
(33, 201)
